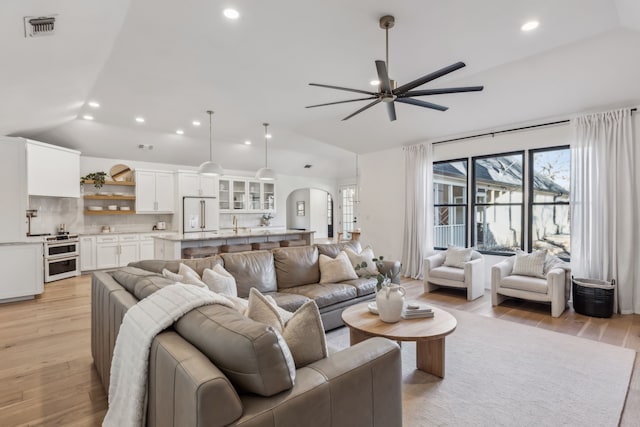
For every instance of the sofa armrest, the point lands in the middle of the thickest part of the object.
(391, 269)
(186, 388)
(365, 383)
(474, 277)
(558, 289)
(502, 269)
(434, 261)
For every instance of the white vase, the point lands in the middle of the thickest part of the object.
(390, 300)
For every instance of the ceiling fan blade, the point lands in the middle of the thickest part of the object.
(421, 104)
(442, 91)
(343, 88)
(391, 110)
(425, 79)
(340, 102)
(383, 76)
(362, 109)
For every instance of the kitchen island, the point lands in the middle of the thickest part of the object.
(171, 247)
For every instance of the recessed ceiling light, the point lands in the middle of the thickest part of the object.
(94, 104)
(195, 123)
(374, 82)
(87, 117)
(268, 136)
(247, 142)
(231, 13)
(140, 119)
(531, 25)
(180, 132)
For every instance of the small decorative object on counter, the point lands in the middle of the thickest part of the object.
(265, 220)
(390, 301)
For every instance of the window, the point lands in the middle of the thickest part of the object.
(450, 203)
(498, 205)
(348, 194)
(549, 210)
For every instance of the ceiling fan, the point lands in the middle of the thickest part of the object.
(388, 91)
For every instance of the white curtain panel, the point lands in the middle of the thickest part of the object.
(418, 220)
(605, 204)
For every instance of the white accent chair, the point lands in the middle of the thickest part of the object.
(554, 289)
(437, 274)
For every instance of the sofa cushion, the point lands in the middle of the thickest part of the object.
(333, 249)
(529, 264)
(253, 269)
(129, 276)
(302, 330)
(525, 283)
(220, 280)
(325, 294)
(364, 261)
(338, 269)
(363, 285)
(185, 275)
(288, 301)
(296, 266)
(251, 354)
(449, 273)
(148, 285)
(156, 265)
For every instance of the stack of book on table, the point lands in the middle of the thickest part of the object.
(415, 310)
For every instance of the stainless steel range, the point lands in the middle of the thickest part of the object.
(61, 256)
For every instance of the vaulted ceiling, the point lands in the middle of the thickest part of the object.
(171, 61)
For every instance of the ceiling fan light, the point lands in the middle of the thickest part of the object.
(266, 174)
(210, 168)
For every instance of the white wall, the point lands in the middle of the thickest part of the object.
(317, 209)
(293, 220)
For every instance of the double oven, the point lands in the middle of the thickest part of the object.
(61, 257)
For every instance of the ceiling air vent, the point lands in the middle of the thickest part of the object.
(39, 26)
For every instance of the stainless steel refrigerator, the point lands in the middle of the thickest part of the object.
(200, 214)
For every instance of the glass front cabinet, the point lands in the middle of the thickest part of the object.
(239, 194)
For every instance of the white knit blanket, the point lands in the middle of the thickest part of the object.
(130, 364)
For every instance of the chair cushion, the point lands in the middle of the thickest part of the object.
(337, 269)
(529, 264)
(525, 283)
(296, 266)
(457, 257)
(253, 269)
(325, 294)
(449, 273)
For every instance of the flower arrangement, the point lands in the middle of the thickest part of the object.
(383, 279)
(266, 219)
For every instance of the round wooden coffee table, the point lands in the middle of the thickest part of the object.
(428, 333)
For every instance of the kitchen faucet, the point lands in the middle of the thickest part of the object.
(235, 224)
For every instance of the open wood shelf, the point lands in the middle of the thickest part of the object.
(108, 212)
(96, 197)
(126, 183)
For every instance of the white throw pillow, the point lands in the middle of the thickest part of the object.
(302, 331)
(365, 256)
(185, 275)
(457, 257)
(220, 280)
(335, 270)
(529, 264)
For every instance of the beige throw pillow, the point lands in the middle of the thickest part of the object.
(457, 257)
(529, 264)
(365, 256)
(220, 280)
(184, 276)
(337, 269)
(302, 331)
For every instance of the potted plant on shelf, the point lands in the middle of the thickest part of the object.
(266, 219)
(98, 178)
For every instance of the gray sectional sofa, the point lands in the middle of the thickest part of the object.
(217, 367)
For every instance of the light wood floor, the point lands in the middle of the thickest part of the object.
(47, 377)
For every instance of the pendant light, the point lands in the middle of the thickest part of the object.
(266, 174)
(210, 168)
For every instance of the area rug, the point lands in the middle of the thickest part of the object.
(500, 373)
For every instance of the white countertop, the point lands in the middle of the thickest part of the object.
(229, 234)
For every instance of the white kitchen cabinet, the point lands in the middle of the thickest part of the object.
(52, 171)
(154, 192)
(243, 195)
(147, 249)
(87, 253)
(116, 250)
(22, 271)
(13, 187)
(194, 184)
(129, 248)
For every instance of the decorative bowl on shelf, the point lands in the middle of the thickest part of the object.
(112, 207)
(125, 208)
(118, 193)
(94, 208)
(104, 193)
